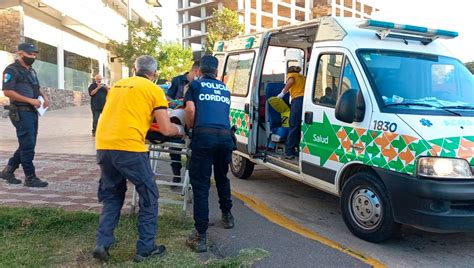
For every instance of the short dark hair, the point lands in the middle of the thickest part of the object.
(196, 64)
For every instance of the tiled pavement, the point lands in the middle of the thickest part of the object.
(73, 181)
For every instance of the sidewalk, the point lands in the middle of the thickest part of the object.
(66, 159)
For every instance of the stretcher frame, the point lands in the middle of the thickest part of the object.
(156, 156)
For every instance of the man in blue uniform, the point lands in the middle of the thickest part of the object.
(176, 92)
(207, 112)
(21, 85)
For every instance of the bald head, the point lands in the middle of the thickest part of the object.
(98, 78)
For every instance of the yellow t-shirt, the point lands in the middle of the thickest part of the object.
(128, 114)
(297, 89)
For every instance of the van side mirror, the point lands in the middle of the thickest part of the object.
(350, 107)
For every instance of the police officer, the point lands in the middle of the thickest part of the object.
(21, 85)
(207, 112)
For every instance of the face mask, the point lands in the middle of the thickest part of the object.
(28, 61)
(196, 77)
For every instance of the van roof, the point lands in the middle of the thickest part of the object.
(363, 32)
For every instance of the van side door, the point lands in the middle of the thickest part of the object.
(327, 144)
(237, 76)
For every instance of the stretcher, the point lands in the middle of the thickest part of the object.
(160, 164)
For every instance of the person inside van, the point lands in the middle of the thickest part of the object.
(295, 85)
(328, 97)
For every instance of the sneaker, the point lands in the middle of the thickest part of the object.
(101, 253)
(197, 242)
(157, 252)
(33, 181)
(228, 220)
(8, 175)
(289, 157)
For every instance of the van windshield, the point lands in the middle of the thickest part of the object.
(409, 81)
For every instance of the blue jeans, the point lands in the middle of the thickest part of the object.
(207, 151)
(26, 132)
(116, 168)
(294, 133)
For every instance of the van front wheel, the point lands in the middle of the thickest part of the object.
(241, 167)
(366, 208)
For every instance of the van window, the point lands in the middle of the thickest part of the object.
(327, 79)
(406, 82)
(220, 67)
(237, 73)
(349, 80)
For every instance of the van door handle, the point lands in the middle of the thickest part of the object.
(308, 118)
(247, 108)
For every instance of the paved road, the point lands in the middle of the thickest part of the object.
(67, 131)
(66, 159)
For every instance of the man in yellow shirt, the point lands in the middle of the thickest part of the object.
(295, 85)
(122, 155)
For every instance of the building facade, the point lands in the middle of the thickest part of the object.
(258, 15)
(72, 38)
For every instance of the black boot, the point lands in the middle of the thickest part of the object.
(197, 242)
(33, 181)
(228, 220)
(157, 252)
(8, 175)
(101, 253)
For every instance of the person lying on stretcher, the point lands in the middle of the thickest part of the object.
(176, 116)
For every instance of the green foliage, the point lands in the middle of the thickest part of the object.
(470, 66)
(143, 41)
(223, 25)
(43, 237)
(174, 59)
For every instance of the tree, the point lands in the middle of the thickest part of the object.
(470, 66)
(223, 25)
(143, 41)
(174, 59)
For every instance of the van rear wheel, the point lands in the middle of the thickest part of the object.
(241, 167)
(366, 208)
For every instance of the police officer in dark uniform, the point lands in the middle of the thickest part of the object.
(21, 85)
(207, 113)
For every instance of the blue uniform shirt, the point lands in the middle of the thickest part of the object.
(212, 100)
(22, 80)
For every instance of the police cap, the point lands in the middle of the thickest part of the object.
(27, 47)
(208, 64)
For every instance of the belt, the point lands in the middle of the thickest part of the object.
(211, 131)
(25, 108)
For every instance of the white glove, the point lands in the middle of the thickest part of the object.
(180, 130)
(281, 95)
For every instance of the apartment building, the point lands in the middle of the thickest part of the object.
(72, 37)
(258, 15)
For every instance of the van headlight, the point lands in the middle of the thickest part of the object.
(446, 168)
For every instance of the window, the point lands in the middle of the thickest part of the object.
(349, 80)
(78, 71)
(220, 67)
(46, 64)
(327, 79)
(237, 73)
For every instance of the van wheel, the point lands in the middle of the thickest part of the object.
(366, 208)
(241, 167)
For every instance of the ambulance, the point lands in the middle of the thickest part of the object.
(387, 122)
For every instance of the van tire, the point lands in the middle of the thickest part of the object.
(372, 220)
(241, 167)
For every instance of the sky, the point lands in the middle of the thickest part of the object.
(454, 15)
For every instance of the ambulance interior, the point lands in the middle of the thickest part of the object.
(287, 48)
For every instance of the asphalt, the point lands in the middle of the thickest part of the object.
(64, 135)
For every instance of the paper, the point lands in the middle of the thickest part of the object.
(41, 110)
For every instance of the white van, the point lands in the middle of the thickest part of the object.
(396, 139)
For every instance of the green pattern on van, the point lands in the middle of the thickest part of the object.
(241, 120)
(378, 148)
